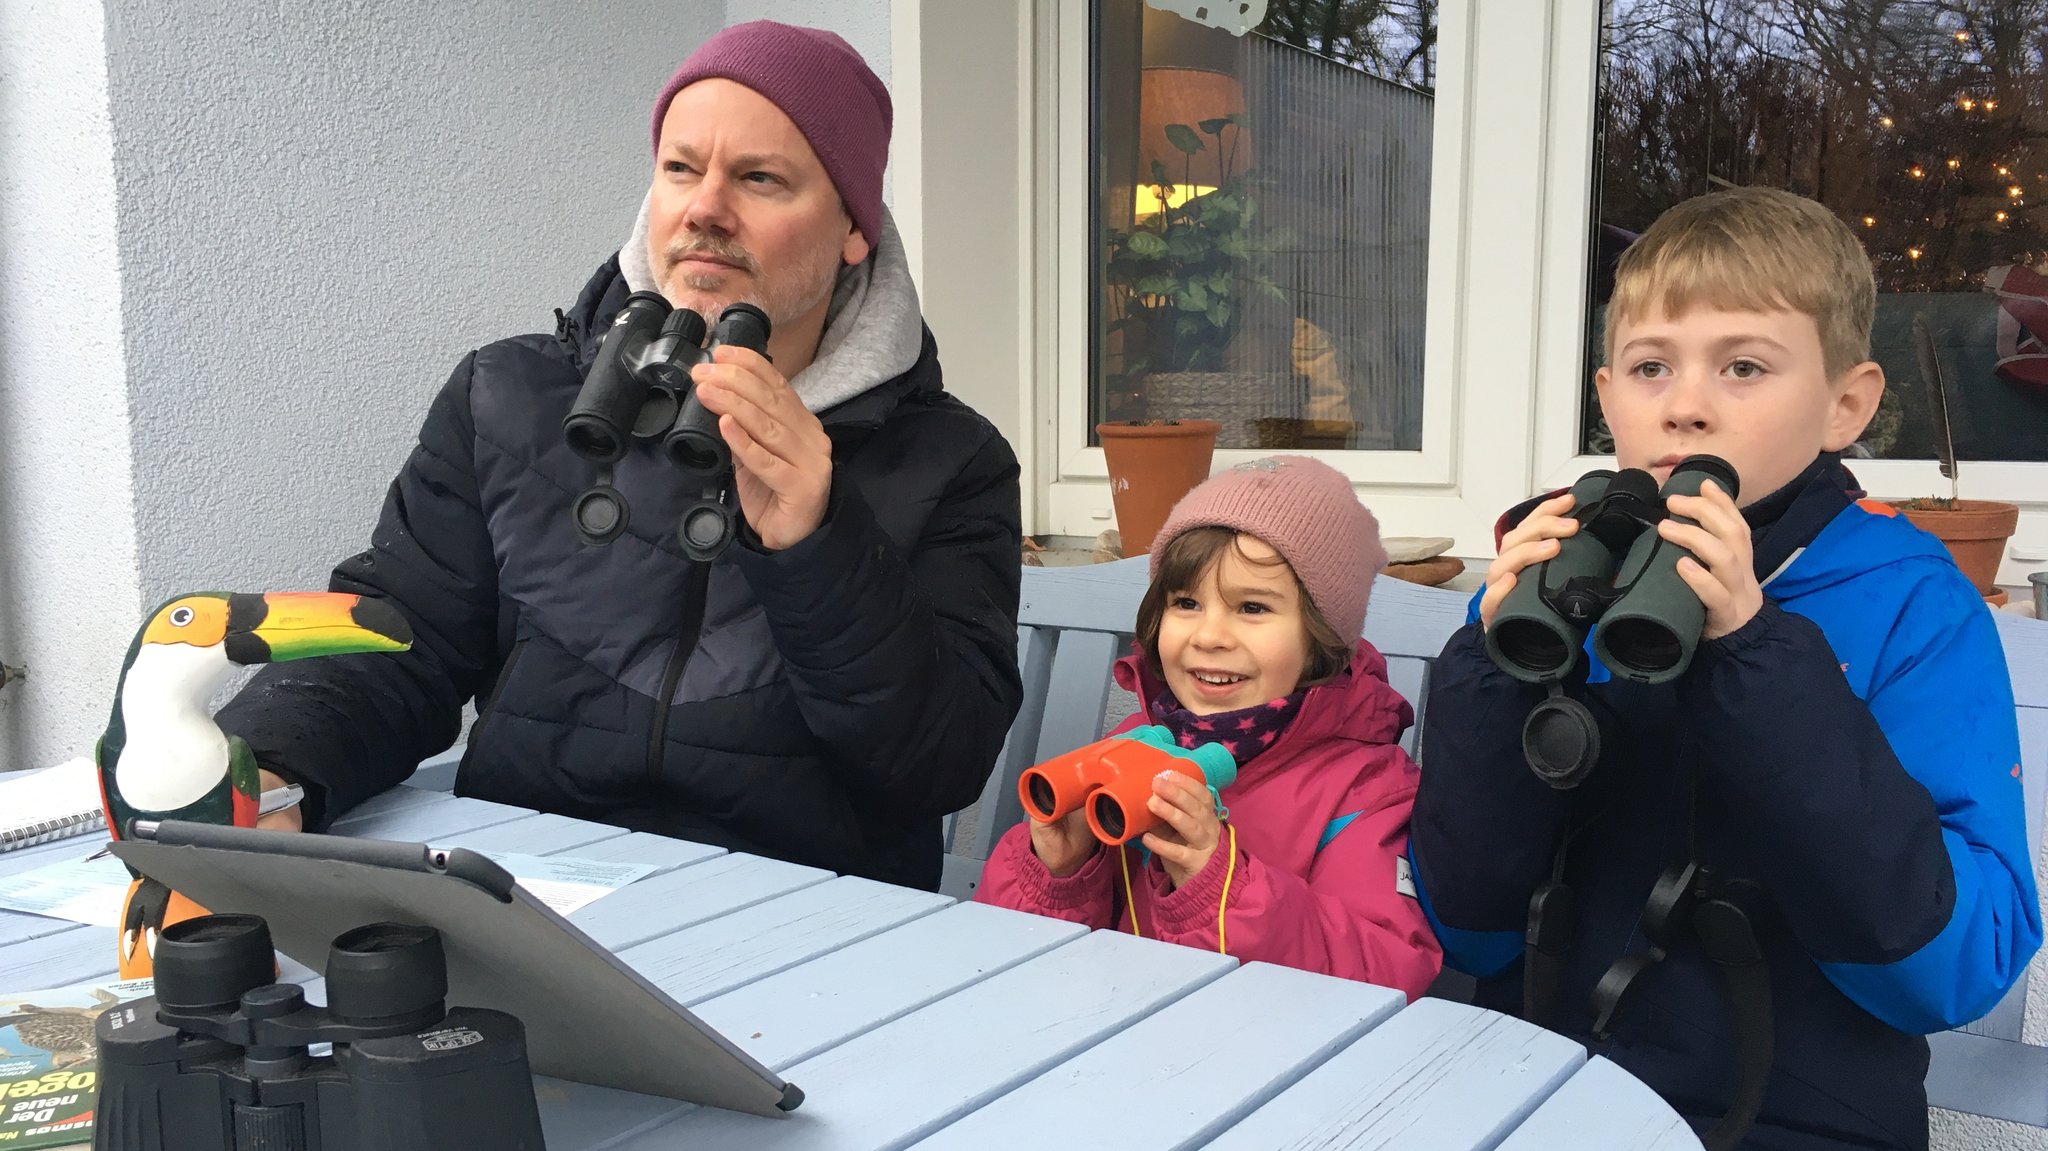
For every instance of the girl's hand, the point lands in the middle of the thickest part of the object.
(1064, 844)
(1190, 832)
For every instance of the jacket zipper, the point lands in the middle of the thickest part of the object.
(696, 589)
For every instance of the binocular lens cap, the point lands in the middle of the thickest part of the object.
(206, 963)
(600, 514)
(706, 529)
(1561, 741)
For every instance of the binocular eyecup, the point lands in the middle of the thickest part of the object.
(638, 387)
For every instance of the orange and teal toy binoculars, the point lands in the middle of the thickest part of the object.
(1111, 780)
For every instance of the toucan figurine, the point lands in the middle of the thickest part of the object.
(162, 756)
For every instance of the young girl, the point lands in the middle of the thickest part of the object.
(1248, 636)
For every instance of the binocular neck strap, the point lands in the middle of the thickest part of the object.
(1687, 897)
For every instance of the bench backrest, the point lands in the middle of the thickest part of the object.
(1074, 622)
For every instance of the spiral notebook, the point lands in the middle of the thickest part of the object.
(54, 803)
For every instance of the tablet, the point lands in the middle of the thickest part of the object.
(589, 1018)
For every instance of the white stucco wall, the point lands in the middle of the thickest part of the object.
(317, 209)
(864, 24)
(322, 207)
(68, 572)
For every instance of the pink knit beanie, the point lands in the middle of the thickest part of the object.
(1305, 510)
(819, 82)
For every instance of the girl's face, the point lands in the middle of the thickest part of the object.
(1239, 638)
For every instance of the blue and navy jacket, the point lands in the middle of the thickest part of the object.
(1852, 749)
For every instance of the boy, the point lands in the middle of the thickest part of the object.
(1839, 762)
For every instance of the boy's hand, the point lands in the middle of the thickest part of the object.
(1724, 574)
(1532, 541)
(1191, 831)
(1064, 844)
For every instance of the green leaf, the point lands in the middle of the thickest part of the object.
(1187, 244)
(1214, 127)
(1219, 314)
(1193, 298)
(1187, 326)
(1157, 284)
(1219, 283)
(1183, 137)
(1147, 244)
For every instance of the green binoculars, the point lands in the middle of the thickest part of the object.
(1616, 572)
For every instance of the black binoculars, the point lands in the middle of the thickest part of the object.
(638, 388)
(218, 1058)
(1616, 572)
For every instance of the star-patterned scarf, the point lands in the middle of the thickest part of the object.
(1245, 732)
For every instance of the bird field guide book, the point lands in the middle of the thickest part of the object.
(49, 1067)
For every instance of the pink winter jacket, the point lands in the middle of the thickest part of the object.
(1321, 819)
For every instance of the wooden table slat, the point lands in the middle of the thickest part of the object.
(900, 1082)
(1600, 1108)
(431, 821)
(660, 904)
(537, 834)
(1200, 1064)
(59, 960)
(795, 1014)
(663, 853)
(387, 802)
(1440, 1075)
(732, 951)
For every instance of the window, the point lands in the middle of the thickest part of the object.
(1923, 124)
(1260, 218)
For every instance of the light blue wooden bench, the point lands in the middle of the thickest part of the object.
(1074, 622)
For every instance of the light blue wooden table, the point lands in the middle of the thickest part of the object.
(913, 1021)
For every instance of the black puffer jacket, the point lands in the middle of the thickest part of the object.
(830, 701)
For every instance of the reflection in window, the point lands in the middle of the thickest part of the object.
(1261, 203)
(1921, 123)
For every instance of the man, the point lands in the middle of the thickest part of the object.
(844, 673)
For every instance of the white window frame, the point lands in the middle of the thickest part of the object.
(1479, 370)
(1574, 62)
(1511, 188)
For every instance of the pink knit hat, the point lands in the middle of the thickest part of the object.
(1305, 510)
(819, 82)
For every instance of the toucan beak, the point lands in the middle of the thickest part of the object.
(298, 625)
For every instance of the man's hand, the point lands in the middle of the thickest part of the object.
(1724, 574)
(1064, 844)
(1191, 831)
(1531, 542)
(290, 819)
(782, 459)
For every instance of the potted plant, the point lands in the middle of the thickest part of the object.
(1179, 280)
(1974, 531)
(1152, 464)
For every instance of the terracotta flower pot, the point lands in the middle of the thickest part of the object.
(1974, 532)
(1151, 466)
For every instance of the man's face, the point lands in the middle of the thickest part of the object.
(1749, 387)
(741, 209)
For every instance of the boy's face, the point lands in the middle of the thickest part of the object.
(1750, 387)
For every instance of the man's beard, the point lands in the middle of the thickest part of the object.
(785, 296)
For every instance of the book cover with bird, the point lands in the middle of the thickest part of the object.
(49, 1072)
